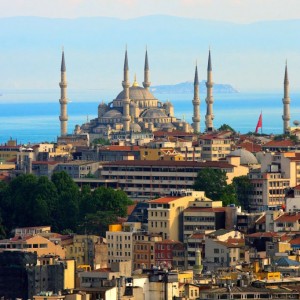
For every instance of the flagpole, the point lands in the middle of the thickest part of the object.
(261, 123)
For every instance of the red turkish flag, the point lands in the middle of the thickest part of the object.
(259, 123)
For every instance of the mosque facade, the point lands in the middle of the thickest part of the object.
(136, 109)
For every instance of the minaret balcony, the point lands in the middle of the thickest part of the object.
(63, 118)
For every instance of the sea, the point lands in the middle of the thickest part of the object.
(31, 116)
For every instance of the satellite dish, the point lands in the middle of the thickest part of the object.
(296, 123)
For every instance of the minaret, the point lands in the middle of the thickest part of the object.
(146, 82)
(196, 103)
(209, 98)
(126, 100)
(286, 103)
(63, 98)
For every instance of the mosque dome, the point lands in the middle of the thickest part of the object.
(154, 113)
(135, 127)
(113, 113)
(137, 93)
(247, 158)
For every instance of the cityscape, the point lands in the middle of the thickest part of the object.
(145, 198)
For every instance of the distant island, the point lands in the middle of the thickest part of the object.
(188, 88)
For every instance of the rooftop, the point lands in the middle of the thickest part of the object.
(164, 200)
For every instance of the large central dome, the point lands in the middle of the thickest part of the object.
(137, 93)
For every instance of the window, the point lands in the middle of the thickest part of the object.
(216, 251)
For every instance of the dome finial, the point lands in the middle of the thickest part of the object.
(135, 82)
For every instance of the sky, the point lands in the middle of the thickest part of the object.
(239, 11)
(28, 63)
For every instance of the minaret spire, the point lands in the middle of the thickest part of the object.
(126, 100)
(146, 83)
(209, 98)
(286, 102)
(63, 98)
(196, 103)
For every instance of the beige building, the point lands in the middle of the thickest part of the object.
(81, 248)
(35, 244)
(120, 241)
(79, 168)
(214, 147)
(278, 172)
(164, 215)
(146, 179)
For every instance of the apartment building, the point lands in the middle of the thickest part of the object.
(144, 250)
(278, 172)
(214, 147)
(222, 254)
(81, 248)
(33, 243)
(165, 214)
(203, 214)
(145, 179)
(170, 254)
(79, 168)
(120, 240)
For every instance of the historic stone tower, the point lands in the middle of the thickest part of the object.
(196, 103)
(146, 83)
(286, 103)
(126, 100)
(63, 98)
(209, 98)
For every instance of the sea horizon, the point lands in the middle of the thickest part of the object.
(31, 116)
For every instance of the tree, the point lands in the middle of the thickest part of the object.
(226, 127)
(67, 209)
(101, 141)
(244, 189)
(212, 182)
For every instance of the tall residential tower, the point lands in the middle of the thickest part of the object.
(286, 103)
(63, 98)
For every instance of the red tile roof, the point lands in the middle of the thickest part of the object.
(284, 143)
(261, 220)
(130, 209)
(288, 218)
(295, 241)
(197, 236)
(164, 200)
(267, 234)
(250, 146)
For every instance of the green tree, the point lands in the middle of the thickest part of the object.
(212, 182)
(226, 127)
(244, 189)
(67, 208)
(101, 141)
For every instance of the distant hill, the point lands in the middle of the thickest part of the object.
(188, 88)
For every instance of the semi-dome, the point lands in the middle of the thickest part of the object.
(247, 158)
(153, 113)
(113, 113)
(135, 127)
(137, 93)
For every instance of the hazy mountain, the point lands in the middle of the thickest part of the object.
(188, 88)
(248, 56)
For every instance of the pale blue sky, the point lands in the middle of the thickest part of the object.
(241, 11)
